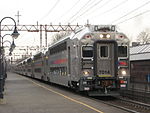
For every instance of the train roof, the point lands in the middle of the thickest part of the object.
(87, 29)
(141, 52)
(79, 33)
(93, 28)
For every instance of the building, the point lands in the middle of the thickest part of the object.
(140, 67)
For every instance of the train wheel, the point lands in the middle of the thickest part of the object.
(42, 78)
(48, 79)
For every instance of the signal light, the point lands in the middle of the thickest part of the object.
(121, 36)
(87, 36)
(122, 81)
(122, 63)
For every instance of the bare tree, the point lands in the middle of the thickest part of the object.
(59, 36)
(144, 37)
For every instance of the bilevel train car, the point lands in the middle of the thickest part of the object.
(94, 59)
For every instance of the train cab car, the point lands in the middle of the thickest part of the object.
(87, 60)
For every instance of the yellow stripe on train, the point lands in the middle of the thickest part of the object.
(104, 75)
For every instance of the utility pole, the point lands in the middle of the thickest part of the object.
(40, 36)
(46, 36)
(18, 17)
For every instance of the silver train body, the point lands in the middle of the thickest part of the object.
(94, 59)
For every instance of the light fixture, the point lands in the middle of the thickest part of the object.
(10, 54)
(86, 73)
(15, 34)
(13, 45)
(108, 36)
(11, 49)
(101, 36)
(123, 72)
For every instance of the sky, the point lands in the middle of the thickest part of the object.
(130, 16)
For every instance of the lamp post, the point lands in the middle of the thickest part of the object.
(12, 46)
(15, 34)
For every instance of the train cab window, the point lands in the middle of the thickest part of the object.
(122, 51)
(87, 51)
(103, 51)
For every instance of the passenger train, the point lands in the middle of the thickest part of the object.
(93, 59)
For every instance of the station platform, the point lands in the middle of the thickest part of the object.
(24, 95)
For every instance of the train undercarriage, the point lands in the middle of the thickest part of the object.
(96, 86)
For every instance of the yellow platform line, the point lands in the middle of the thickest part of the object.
(69, 98)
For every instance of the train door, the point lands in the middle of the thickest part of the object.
(105, 58)
(69, 62)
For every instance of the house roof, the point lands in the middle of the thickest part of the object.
(141, 52)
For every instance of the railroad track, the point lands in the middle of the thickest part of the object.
(138, 106)
(125, 104)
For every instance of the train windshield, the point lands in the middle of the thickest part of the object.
(122, 51)
(103, 51)
(87, 51)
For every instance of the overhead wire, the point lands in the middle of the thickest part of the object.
(97, 3)
(69, 10)
(48, 12)
(84, 13)
(109, 10)
(79, 10)
(131, 12)
(133, 17)
(56, 3)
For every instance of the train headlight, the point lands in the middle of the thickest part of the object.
(108, 36)
(86, 73)
(101, 35)
(123, 72)
(46, 57)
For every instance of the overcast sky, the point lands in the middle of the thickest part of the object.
(131, 16)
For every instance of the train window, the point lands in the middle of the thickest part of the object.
(62, 71)
(87, 51)
(29, 70)
(37, 70)
(59, 48)
(38, 56)
(29, 60)
(122, 51)
(103, 51)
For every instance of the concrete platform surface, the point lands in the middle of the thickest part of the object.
(24, 95)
